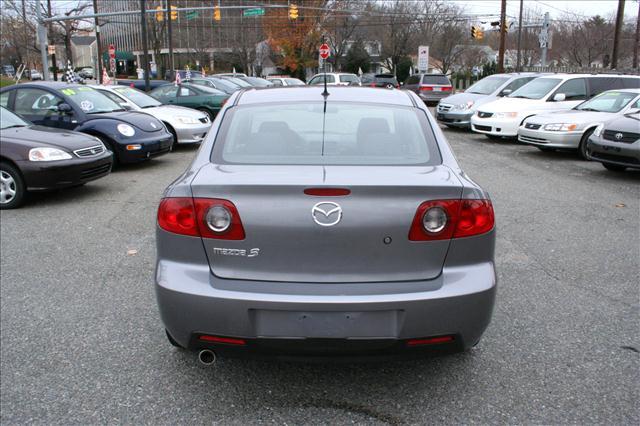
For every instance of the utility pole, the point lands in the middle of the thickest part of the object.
(54, 64)
(635, 45)
(543, 38)
(145, 47)
(42, 36)
(25, 33)
(503, 34)
(616, 36)
(519, 36)
(170, 37)
(98, 42)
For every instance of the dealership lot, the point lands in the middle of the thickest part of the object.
(81, 338)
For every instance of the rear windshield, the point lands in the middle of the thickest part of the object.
(436, 79)
(302, 133)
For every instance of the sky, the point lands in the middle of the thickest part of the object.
(556, 8)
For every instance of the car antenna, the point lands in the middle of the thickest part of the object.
(325, 93)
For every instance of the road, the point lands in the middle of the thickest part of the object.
(81, 339)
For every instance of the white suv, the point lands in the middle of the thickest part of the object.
(336, 79)
(550, 93)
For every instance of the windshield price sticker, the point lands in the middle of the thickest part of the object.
(86, 105)
(69, 92)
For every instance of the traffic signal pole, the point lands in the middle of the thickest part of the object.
(503, 34)
(98, 43)
(519, 36)
(616, 34)
(170, 37)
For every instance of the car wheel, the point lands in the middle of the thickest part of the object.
(206, 111)
(12, 189)
(109, 147)
(174, 143)
(172, 341)
(614, 167)
(545, 148)
(582, 148)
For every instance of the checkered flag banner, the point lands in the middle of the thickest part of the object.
(188, 73)
(70, 75)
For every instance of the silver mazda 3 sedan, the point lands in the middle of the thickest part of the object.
(336, 225)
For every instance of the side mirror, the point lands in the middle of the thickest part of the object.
(65, 108)
(506, 92)
(559, 97)
(127, 107)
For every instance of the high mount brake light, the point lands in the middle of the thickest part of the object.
(465, 218)
(327, 192)
(188, 216)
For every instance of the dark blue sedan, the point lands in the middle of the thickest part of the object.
(131, 136)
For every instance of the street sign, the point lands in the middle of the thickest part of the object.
(423, 58)
(51, 49)
(324, 50)
(259, 11)
(112, 64)
(112, 51)
(192, 14)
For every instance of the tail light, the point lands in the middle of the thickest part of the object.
(372, 85)
(431, 341)
(446, 88)
(426, 88)
(201, 217)
(446, 219)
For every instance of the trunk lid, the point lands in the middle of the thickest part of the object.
(277, 218)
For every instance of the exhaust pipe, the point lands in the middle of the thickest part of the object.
(207, 357)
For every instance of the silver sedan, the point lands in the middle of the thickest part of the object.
(187, 125)
(325, 225)
(571, 129)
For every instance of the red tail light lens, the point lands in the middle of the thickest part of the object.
(465, 218)
(372, 85)
(188, 216)
(430, 341)
(426, 88)
(446, 88)
(225, 340)
(327, 192)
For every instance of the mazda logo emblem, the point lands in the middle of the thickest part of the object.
(619, 136)
(326, 213)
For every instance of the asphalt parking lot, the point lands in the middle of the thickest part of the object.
(82, 342)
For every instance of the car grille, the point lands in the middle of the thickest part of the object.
(483, 128)
(204, 120)
(484, 114)
(624, 137)
(95, 171)
(92, 151)
(444, 107)
(532, 126)
(616, 158)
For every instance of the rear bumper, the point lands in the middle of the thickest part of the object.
(433, 96)
(567, 140)
(616, 153)
(324, 319)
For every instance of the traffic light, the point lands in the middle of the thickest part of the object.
(174, 13)
(159, 14)
(477, 32)
(216, 13)
(293, 11)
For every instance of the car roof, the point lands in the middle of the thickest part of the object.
(314, 93)
(55, 85)
(636, 91)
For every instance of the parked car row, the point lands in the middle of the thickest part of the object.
(56, 135)
(554, 111)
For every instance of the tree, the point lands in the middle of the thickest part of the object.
(357, 58)
(398, 32)
(340, 28)
(295, 42)
(448, 47)
(584, 42)
(70, 27)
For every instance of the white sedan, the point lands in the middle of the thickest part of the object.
(187, 125)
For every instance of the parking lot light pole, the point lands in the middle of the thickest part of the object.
(145, 47)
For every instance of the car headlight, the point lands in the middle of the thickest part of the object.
(126, 130)
(187, 120)
(464, 106)
(598, 130)
(506, 114)
(48, 154)
(560, 127)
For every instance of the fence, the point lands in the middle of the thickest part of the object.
(581, 70)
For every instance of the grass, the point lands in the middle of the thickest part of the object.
(5, 81)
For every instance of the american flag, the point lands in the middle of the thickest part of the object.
(178, 80)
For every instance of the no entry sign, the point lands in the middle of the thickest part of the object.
(112, 51)
(324, 51)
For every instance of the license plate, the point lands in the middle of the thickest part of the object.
(335, 325)
(437, 89)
